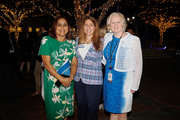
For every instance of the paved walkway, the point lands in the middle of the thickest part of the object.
(157, 99)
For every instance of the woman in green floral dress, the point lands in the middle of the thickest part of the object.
(55, 50)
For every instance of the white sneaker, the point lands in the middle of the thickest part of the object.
(101, 107)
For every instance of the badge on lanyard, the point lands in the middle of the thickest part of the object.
(81, 46)
(110, 77)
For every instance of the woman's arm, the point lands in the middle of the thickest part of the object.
(47, 64)
(138, 68)
(73, 68)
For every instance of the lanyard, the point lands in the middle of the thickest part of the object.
(111, 53)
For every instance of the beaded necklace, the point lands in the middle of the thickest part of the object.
(112, 53)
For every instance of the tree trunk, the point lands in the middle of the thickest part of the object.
(161, 33)
(16, 33)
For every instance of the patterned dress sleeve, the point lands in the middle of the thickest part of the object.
(74, 46)
(138, 63)
(44, 48)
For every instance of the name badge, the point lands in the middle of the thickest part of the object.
(81, 46)
(110, 77)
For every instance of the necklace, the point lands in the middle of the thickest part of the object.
(111, 53)
(88, 42)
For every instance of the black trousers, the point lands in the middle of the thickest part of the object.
(88, 97)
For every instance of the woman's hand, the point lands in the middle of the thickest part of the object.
(47, 64)
(71, 79)
(132, 91)
(65, 82)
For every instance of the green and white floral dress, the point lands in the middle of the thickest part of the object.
(59, 102)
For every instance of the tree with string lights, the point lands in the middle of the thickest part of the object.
(80, 7)
(164, 14)
(51, 7)
(80, 10)
(15, 13)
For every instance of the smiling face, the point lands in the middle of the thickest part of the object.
(116, 24)
(62, 27)
(89, 28)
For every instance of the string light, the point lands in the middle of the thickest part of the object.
(47, 7)
(15, 15)
(161, 17)
(80, 6)
(79, 9)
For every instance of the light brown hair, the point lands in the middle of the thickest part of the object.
(96, 38)
(102, 30)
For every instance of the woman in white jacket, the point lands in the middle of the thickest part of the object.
(123, 60)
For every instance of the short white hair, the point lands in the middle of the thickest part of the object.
(123, 20)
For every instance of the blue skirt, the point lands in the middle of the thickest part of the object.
(117, 95)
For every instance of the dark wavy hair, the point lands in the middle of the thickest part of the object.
(52, 31)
